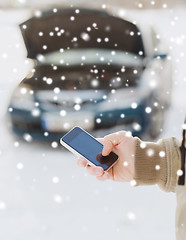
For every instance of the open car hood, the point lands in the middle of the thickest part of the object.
(68, 29)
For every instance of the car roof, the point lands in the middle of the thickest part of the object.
(65, 29)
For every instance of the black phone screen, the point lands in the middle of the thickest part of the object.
(89, 147)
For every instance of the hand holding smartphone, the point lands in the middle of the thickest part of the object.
(82, 144)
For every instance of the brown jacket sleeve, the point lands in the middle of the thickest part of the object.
(157, 163)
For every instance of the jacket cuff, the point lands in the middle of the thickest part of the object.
(157, 163)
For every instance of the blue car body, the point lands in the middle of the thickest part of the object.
(101, 81)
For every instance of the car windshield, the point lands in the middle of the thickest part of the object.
(76, 57)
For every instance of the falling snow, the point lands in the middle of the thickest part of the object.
(55, 180)
(180, 172)
(45, 163)
(150, 152)
(2, 205)
(20, 166)
(54, 144)
(58, 199)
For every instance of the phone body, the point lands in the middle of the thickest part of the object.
(82, 144)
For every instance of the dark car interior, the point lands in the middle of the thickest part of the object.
(70, 24)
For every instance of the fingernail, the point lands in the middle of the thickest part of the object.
(104, 153)
(105, 176)
(99, 171)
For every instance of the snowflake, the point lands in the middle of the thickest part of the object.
(77, 107)
(164, 5)
(27, 137)
(94, 25)
(74, 39)
(54, 144)
(49, 81)
(143, 145)
(184, 126)
(123, 69)
(63, 113)
(134, 105)
(44, 47)
(131, 216)
(38, 13)
(83, 58)
(54, 67)
(85, 36)
(72, 18)
(128, 134)
(55, 10)
(35, 112)
(148, 110)
(162, 154)
(155, 104)
(20, 166)
(136, 126)
(125, 164)
(98, 120)
(57, 198)
(150, 152)
(179, 172)
(140, 5)
(55, 180)
(133, 183)
(23, 90)
(157, 167)
(24, 26)
(40, 34)
(55, 98)
(40, 58)
(104, 97)
(56, 90)
(153, 83)
(78, 100)
(4, 55)
(86, 120)
(36, 104)
(152, 2)
(2, 205)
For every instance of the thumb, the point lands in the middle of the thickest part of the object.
(109, 142)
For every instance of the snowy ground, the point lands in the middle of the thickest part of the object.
(44, 195)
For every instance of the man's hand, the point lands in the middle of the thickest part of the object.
(122, 143)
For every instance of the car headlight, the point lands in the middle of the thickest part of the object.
(23, 98)
(124, 98)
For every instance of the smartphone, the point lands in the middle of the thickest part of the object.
(82, 144)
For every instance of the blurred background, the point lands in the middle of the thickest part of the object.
(43, 194)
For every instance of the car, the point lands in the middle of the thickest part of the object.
(91, 69)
